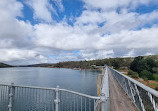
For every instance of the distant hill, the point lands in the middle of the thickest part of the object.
(123, 62)
(37, 65)
(2, 65)
(154, 57)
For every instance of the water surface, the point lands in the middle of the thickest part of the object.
(84, 81)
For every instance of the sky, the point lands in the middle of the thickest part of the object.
(51, 31)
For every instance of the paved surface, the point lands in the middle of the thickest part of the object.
(119, 101)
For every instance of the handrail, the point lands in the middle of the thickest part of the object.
(152, 91)
(17, 90)
(105, 83)
(101, 103)
(80, 94)
(144, 97)
(46, 88)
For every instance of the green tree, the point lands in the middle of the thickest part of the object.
(139, 64)
(133, 74)
(146, 74)
(115, 64)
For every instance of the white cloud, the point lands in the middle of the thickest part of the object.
(113, 4)
(145, 38)
(113, 22)
(12, 7)
(42, 9)
(59, 4)
(16, 54)
(61, 36)
(13, 32)
(96, 54)
(131, 53)
(95, 34)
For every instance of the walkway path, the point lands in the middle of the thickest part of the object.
(119, 101)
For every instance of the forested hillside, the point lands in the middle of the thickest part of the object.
(117, 63)
(2, 65)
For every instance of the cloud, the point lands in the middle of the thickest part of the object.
(14, 32)
(113, 22)
(95, 34)
(59, 4)
(114, 4)
(61, 36)
(96, 54)
(42, 9)
(18, 54)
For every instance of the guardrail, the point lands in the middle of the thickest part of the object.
(105, 106)
(144, 97)
(29, 98)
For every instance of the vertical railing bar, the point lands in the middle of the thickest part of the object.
(21, 97)
(31, 99)
(27, 98)
(77, 103)
(85, 105)
(36, 104)
(2, 98)
(39, 99)
(51, 102)
(81, 103)
(46, 101)
(17, 93)
(65, 102)
(68, 106)
(89, 105)
(70, 103)
(61, 101)
(16, 100)
(24, 98)
(57, 100)
(94, 104)
(74, 103)
(5, 91)
(11, 94)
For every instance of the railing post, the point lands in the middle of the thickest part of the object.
(103, 102)
(57, 100)
(11, 94)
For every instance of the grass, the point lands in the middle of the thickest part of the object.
(153, 85)
(155, 77)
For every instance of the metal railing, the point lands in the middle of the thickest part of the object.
(30, 98)
(105, 91)
(144, 97)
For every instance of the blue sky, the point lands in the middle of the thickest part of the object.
(50, 31)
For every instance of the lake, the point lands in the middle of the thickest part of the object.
(84, 81)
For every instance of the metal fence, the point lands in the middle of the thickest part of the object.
(144, 97)
(105, 90)
(28, 98)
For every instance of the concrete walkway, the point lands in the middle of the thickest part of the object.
(119, 101)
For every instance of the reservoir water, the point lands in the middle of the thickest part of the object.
(84, 81)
